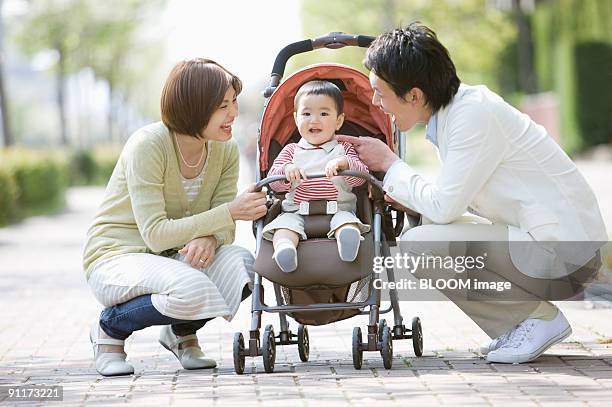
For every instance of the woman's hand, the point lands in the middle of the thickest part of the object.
(200, 252)
(249, 205)
(294, 173)
(335, 165)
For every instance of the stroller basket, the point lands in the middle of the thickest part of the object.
(355, 292)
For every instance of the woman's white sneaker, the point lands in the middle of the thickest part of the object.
(190, 357)
(108, 363)
(530, 339)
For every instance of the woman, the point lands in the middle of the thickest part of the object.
(496, 163)
(158, 251)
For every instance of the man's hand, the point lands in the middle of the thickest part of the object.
(200, 252)
(373, 152)
(337, 164)
(400, 207)
(294, 173)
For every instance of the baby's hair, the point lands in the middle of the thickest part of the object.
(318, 87)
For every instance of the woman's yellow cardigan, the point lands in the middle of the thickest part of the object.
(145, 209)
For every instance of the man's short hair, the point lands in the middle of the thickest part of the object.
(413, 57)
(193, 92)
(318, 87)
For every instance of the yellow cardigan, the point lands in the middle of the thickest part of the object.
(145, 209)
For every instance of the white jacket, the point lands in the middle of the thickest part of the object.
(499, 164)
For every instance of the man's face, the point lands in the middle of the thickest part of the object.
(405, 113)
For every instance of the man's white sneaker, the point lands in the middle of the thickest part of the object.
(530, 339)
(496, 343)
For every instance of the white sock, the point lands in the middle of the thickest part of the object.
(285, 255)
(348, 240)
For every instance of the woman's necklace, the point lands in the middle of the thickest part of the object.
(196, 165)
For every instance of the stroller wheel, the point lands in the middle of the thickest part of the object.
(268, 349)
(381, 327)
(417, 336)
(238, 353)
(303, 343)
(386, 350)
(357, 350)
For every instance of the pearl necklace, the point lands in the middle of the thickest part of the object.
(183, 158)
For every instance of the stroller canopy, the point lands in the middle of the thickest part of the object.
(278, 123)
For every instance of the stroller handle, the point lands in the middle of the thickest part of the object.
(333, 40)
(376, 184)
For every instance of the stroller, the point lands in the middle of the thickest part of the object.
(324, 289)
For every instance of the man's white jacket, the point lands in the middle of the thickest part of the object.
(499, 164)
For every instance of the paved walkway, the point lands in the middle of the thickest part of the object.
(46, 310)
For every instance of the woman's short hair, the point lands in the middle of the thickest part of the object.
(413, 57)
(318, 87)
(193, 92)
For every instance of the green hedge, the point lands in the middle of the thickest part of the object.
(93, 167)
(594, 92)
(34, 182)
(8, 194)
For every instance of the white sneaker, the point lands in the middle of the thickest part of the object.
(496, 343)
(530, 339)
(191, 357)
(108, 363)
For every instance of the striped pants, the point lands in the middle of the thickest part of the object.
(177, 290)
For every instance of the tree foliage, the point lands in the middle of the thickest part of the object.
(104, 36)
(473, 32)
(114, 46)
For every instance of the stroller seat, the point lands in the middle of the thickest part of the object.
(318, 260)
(321, 276)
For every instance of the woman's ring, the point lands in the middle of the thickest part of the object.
(201, 261)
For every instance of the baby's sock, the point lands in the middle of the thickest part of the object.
(348, 240)
(285, 255)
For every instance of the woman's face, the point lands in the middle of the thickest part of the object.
(406, 112)
(219, 127)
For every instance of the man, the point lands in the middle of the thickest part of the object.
(496, 163)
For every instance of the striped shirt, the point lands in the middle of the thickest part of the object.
(192, 186)
(318, 188)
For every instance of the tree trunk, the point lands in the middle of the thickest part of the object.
(527, 76)
(61, 97)
(4, 111)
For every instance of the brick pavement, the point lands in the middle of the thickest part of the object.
(46, 310)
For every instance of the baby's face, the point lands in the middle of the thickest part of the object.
(317, 118)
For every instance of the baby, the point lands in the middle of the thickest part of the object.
(318, 113)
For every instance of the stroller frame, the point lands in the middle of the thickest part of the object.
(379, 336)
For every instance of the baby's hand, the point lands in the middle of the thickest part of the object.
(335, 165)
(293, 173)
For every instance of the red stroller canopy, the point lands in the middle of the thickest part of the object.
(278, 123)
